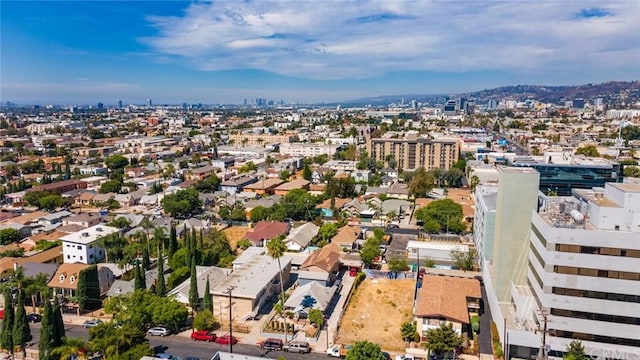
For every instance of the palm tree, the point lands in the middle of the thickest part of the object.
(71, 348)
(276, 248)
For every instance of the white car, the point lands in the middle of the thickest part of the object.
(158, 331)
(405, 357)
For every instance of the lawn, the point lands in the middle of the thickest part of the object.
(376, 312)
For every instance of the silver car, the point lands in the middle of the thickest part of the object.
(158, 331)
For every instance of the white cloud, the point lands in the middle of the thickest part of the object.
(360, 39)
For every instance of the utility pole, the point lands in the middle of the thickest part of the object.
(542, 353)
(229, 290)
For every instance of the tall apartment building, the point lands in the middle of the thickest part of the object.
(260, 139)
(308, 149)
(414, 152)
(484, 221)
(582, 276)
(584, 269)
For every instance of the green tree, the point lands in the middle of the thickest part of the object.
(146, 261)
(116, 162)
(58, 325)
(370, 250)
(276, 249)
(205, 320)
(47, 341)
(88, 289)
(575, 351)
(9, 235)
(631, 171)
(306, 172)
(193, 286)
(183, 203)
(316, 317)
(398, 264)
(160, 285)
(285, 175)
(473, 183)
(21, 330)
(365, 350)
(120, 222)
(442, 215)
(464, 260)
(6, 337)
(110, 186)
(589, 151)
(443, 340)
(207, 300)
(259, 213)
(51, 202)
(207, 185)
(139, 282)
(71, 348)
(408, 330)
(327, 231)
(421, 183)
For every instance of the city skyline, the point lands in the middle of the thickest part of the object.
(225, 52)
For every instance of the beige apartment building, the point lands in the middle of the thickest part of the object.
(413, 153)
(259, 139)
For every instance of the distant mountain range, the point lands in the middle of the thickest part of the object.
(610, 92)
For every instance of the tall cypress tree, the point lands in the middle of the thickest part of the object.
(139, 282)
(58, 325)
(173, 241)
(46, 343)
(187, 244)
(88, 289)
(21, 330)
(160, 285)
(146, 263)
(6, 338)
(201, 243)
(207, 301)
(193, 288)
(81, 290)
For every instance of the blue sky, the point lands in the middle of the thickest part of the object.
(84, 52)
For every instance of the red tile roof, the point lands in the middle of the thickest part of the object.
(267, 230)
(446, 296)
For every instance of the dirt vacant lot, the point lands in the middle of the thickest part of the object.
(235, 234)
(376, 312)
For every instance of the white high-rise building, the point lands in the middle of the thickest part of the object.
(583, 276)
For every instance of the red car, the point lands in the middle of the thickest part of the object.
(227, 339)
(203, 335)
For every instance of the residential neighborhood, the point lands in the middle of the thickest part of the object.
(326, 227)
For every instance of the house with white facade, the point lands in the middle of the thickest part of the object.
(81, 246)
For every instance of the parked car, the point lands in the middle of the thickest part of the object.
(226, 340)
(272, 344)
(91, 323)
(405, 357)
(158, 331)
(34, 318)
(191, 358)
(167, 356)
(203, 335)
(298, 346)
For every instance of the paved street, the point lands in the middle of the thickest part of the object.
(181, 346)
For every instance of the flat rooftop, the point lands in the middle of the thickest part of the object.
(89, 235)
(251, 277)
